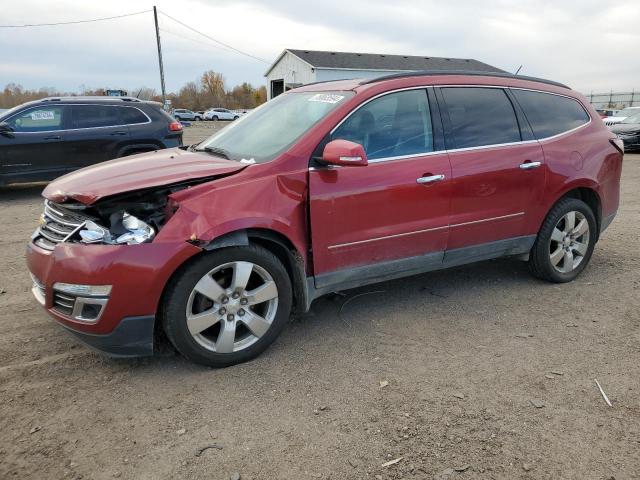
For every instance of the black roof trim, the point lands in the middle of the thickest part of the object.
(425, 73)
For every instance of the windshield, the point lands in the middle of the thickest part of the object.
(635, 118)
(270, 129)
(625, 112)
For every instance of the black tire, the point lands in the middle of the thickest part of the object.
(174, 305)
(540, 263)
(236, 117)
(214, 118)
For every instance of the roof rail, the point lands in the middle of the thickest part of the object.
(92, 98)
(424, 73)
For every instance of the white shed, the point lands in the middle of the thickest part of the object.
(294, 68)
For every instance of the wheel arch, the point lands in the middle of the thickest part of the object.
(588, 194)
(278, 244)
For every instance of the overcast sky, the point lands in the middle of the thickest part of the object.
(588, 44)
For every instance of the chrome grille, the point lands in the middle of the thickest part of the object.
(58, 224)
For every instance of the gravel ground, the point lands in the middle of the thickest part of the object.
(475, 372)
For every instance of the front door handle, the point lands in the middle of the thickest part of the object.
(429, 179)
(53, 137)
(530, 165)
(120, 132)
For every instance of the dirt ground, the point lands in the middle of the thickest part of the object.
(440, 371)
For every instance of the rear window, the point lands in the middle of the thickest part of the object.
(91, 116)
(550, 114)
(479, 117)
(131, 116)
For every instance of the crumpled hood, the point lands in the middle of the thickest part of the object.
(146, 170)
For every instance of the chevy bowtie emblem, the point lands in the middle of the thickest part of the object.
(41, 220)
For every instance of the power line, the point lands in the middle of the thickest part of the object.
(184, 37)
(215, 40)
(75, 21)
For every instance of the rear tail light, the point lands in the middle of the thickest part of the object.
(175, 126)
(619, 144)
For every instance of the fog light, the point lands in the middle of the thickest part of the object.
(83, 290)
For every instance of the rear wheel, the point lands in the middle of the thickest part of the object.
(565, 242)
(228, 306)
(214, 118)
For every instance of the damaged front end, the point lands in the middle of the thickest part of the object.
(125, 219)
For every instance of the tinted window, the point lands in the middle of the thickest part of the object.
(391, 126)
(130, 115)
(90, 116)
(39, 119)
(480, 116)
(550, 114)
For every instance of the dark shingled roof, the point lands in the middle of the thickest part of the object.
(376, 61)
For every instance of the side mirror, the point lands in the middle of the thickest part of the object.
(344, 153)
(6, 130)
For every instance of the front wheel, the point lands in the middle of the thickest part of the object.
(565, 242)
(228, 306)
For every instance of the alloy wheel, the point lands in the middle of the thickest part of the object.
(569, 242)
(232, 306)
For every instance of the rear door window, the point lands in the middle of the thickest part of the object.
(40, 119)
(550, 114)
(132, 116)
(397, 124)
(92, 116)
(479, 117)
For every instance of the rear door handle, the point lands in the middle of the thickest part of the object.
(429, 179)
(120, 132)
(53, 137)
(530, 165)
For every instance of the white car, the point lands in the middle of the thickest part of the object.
(621, 115)
(220, 114)
(184, 114)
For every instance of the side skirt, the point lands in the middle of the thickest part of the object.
(359, 276)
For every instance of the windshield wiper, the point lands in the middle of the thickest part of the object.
(218, 152)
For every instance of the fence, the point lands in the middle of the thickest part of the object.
(614, 99)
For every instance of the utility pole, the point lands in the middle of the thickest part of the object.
(164, 93)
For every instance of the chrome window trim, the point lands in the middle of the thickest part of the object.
(454, 150)
(84, 128)
(386, 237)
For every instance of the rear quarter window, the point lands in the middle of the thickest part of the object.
(550, 114)
(132, 116)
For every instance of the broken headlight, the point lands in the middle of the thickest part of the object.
(126, 229)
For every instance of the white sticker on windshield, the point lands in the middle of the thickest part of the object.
(42, 115)
(326, 98)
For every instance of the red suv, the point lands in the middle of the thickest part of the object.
(327, 187)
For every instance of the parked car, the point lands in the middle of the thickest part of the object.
(628, 130)
(607, 112)
(324, 188)
(181, 114)
(46, 138)
(220, 114)
(621, 115)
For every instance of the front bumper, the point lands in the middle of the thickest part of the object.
(137, 274)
